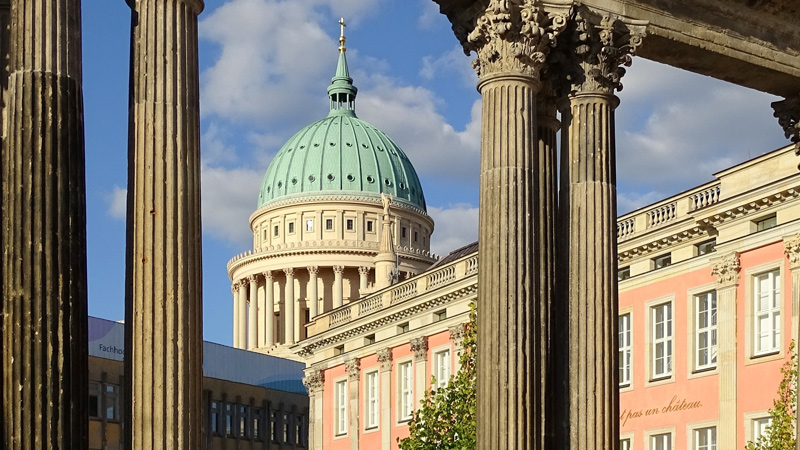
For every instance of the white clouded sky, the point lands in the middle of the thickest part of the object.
(265, 68)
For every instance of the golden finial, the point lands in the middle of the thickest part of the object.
(342, 39)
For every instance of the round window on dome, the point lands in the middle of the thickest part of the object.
(350, 177)
(348, 144)
(402, 186)
(370, 179)
(331, 177)
(311, 178)
(380, 149)
(294, 180)
(387, 182)
(280, 183)
(331, 144)
(268, 189)
(365, 145)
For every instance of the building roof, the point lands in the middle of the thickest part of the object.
(456, 254)
(341, 155)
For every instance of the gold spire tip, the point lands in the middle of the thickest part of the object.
(342, 39)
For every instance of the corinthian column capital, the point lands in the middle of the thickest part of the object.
(509, 36)
(385, 358)
(791, 246)
(289, 272)
(314, 381)
(419, 346)
(726, 269)
(787, 112)
(313, 270)
(353, 367)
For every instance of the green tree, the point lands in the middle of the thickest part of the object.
(445, 419)
(780, 434)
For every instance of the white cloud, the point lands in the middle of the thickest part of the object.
(118, 203)
(216, 148)
(430, 14)
(455, 227)
(229, 197)
(452, 63)
(630, 201)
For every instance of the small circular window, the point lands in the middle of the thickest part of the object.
(370, 179)
(294, 180)
(402, 186)
(365, 145)
(331, 177)
(280, 183)
(350, 177)
(387, 182)
(380, 149)
(268, 189)
(316, 144)
(311, 178)
(331, 144)
(349, 144)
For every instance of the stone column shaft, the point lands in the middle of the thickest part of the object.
(726, 269)
(313, 297)
(269, 301)
(288, 305)
(338, 295)
(421, 382)
(43, 297)
(385, 360)
(262, 318)
(314, 382)
(792, 250)
(252, 319)
(235, 292)
(242, 314)
(363, 273)
(353, 380)
(163, 317)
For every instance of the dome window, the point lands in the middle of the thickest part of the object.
(350, 177)
(387, 182)
(380, 149)
(280, 184)
(269, 188)
(294, 180)
(370, 179)
(316, 144)
(348, 144)
(332, 144)
(365, 145)
(331, 177)
(302, 147)
(402, 186)
(288, 150)
(311, 178)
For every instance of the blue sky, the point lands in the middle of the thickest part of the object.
(265, 65)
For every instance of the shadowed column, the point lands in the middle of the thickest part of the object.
(164, 319)
(726, 269)
(269, 315)
(44, 302)
(5, 35)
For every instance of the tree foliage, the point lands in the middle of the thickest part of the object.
(780, 434)
(445, 419)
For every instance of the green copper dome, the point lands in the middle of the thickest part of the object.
(341, 155)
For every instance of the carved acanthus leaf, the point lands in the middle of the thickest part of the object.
(385, 358)
(419, 346)
(791, 247)
(726, 269)
(353, 367)
(314, 381)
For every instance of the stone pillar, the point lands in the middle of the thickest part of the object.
(385, 360)
(587, 229)
(337, 286)
(164, 297)
(792, 249)
(235, 292)
(353, 367)
(421, 381)
(269, 302)
(252, 320)
(261, 321)
(242, 314)
(363, 273)
(288, 305)
(313, 297)
(511, 40)
(43, 299)
(315, 383)
(5, 38)
(726, 268)
(457, 336)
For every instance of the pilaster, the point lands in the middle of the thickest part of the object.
(243, 313)
(269, 302)
(164, 334)
(313, 297)
(337, 286)
(791, 246)
(43, 297)
(252, 318)
(385, 360)
(419, 346)
(288, 305)
(726, 269)
(314, 382)
(353, 367)
(457, 336)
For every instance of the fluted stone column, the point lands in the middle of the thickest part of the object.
(419, 346)
(792, 248)
(243, 314)
(511, 40)
(164, 317)
(363, 274)
(315, 383)
(235, 293)
(43, 299)
(5, 38)
(269, 302)
(726, 268)
(353, 367)
(313, 297)
(588, 228)
(261, 320)
(385, 360)
(338, 295)
(288, 305)
(252, 318)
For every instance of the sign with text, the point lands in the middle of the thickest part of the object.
(674, 405)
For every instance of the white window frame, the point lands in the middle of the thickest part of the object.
(340, 399)
(710, 435)
(625, 348)
(405, 390)
(759, 426)
(372, 396)
(665, 342)
(625, 443)
(709, 331)
(442, 366)
(771, 315)
(660, 441)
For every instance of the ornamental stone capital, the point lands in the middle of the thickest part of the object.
(314, 381)
(363, 270)
(457, 334)
(726, 269)
(253, 278)
(338, 270)
(313, 270)
(510, 37)
(593, 52)
(289, 272)
(234, 287)
(243, 283)
(791, 246)
(353, 367)
(787, 112)
(267, 275)
(420, 348)
(385, 358)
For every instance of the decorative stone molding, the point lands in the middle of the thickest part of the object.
(791, 246)
(314, 381)
(235, 288)
(419, 346)
(385, 358)
(267, 275)
(726, 269)
(592, 55)
(289, 271)
(253, 278)
(457, 333)
(787, 112)
(243, 283)
(363, 270)
(509, 37)
(353, 367)
(338, 270)
(312, 270)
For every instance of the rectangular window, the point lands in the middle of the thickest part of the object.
(285, 428)
(291, 227)
(706, 247)
(402, 328)
(257, 420)
(406, 383)
(243, 421)
(310, 225)
(276, 230)
(767, 312)
(415, 236)
(110, 401)
(329, 224)
(705, 438)
(661, 441)
(214, 417)
(442, 368)
(340, 407)
(338, 350)
(662, 340)
(706, 330)
(624, 273)
(265, 234)
(370, 226)
(760, 427)
(403, 232)
(371, 390)
(625, 444)
(625, 350)
(273, 426)
(229, 419)
(298, 430)
(369, 340)
(766, 223)
(350, 225)
(662, 261)
(439, 316)
(94, 399)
